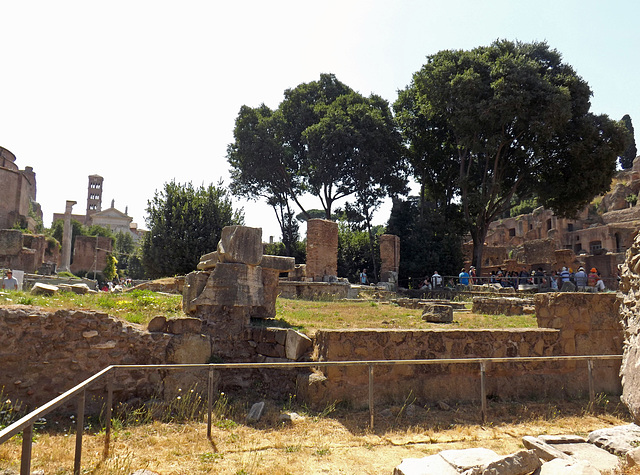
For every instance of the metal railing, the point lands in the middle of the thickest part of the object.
(26, 423)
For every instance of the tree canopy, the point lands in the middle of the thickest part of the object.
(184, 223)
(324, 139)
(630, 153)
(505, 119)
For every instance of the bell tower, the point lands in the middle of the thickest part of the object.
(94, 197)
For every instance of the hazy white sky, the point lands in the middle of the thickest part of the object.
(143, 92)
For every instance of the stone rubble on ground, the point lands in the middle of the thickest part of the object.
(546, 455)
(255, 413)
(437, 313)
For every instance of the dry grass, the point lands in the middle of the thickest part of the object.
(338, 443)
(335, 441)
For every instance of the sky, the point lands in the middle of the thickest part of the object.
(146, 92)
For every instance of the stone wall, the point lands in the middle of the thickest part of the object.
(89, 253)
(630, 313)
(46, 353)
(570, 324)
(322, 249)
(24, 252)
(502, 305)
(43, 354)
(314, 290)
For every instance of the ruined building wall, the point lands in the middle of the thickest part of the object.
(630, 314)
(88, 249)
(390, 257)
(322, 249)
(18, 190)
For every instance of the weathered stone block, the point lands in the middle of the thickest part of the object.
(437, 313)
(157, 324)
(296, 345)
(178, 326)
(232, 285)
(10, 242)
(279, 263)
(240, 244)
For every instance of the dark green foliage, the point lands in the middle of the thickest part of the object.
(184, 223)
(354, 253)
(298, 250)
(324, 139)
(523, 207)
(428, 243)
(509, 119)
(630, 153)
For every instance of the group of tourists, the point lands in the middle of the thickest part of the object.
(556, 280)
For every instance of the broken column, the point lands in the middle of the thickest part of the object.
(66, 237)
(233, 285)
(322, 250)
(390, 257)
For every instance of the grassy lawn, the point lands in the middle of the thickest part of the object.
(140, 306)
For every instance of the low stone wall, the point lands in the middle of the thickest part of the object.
(43, 354)
(314, 290)
(502, 305)
(571, 324)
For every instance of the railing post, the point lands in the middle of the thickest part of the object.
(25, 459)
(371, 411)
(483, 392)
(79, 430)
(107, 414)
(592, 391)
(209, 402)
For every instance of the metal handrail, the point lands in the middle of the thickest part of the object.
(26, 423)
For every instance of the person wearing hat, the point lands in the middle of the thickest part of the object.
(9, 282)
(592, 278)
(565, 275)
(581, 279)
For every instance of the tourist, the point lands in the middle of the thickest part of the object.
(600, 284)
(436, 280)
(554, 280)
(581, 279)
(592, 278)
(524, 276)
(363, 277)
(472, 275)
(9, 282)
(464, 277)
(565, 275)
(539, 277)
(426, 284)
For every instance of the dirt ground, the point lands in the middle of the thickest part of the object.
(337, 443)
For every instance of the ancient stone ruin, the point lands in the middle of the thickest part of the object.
(234, 284)
(630, 314)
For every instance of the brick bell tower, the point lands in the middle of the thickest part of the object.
(94, 197)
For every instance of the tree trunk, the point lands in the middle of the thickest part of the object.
(478, 236)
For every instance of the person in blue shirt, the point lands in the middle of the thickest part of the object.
(464, 277)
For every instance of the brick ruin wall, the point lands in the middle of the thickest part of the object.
(322, 249)
(389, 256)
(89, 253)
(46, 353)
